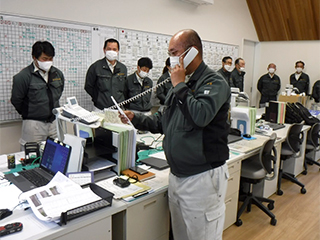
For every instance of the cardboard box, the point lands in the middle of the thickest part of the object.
(293, 99)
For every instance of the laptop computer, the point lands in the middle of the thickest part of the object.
(233, 138)
(55, 158)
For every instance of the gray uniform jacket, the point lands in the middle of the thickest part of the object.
(33, 97)
(101, 83)
(302, 83)
(269, 86)
(163, 90)
(225, 74)
(134, 88)
(236, 79)
(194, 123)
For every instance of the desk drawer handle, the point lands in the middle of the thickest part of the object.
(230, 179)
(232, 166)
(150, 203)
(228, 201)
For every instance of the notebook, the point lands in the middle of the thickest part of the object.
(140, 177)
(55, 158)
(156, 163)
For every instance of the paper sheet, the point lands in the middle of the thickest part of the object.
(121, 192)
(59, 195)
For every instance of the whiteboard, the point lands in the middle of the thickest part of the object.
(77, 46)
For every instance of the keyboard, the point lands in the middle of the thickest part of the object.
(34, 177)
(275, 126)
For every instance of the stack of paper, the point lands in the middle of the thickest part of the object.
(59, 195)
(111, 116)
(124, 138)
(127, 193)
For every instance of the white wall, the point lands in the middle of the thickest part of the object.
(226, 21)
(284, 54)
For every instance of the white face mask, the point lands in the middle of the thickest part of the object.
(242, 69)
(299, 70)
(271, 70)
(45, 66)
(143, 74)
(174, 60)
(111, 55)
(228, 68)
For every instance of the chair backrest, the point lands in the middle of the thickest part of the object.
(295, 137)
(314, 135)
(268, 157)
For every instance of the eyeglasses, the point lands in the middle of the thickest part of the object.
(172, 54)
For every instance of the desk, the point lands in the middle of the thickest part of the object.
(145, 218)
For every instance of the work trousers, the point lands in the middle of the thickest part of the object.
(36, 131)
(197, 205)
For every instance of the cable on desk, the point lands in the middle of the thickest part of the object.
(35, 160)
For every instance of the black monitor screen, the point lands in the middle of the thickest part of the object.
(55, 156)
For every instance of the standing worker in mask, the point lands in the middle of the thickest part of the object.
(226, 69)
(138, 82)
(194, 122)
(107, 77)
(268, 85)
(163, 90)
(237, 75)
(299, 79)
(36, 91)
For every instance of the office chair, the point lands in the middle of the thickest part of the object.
(254, 170)
(313, 144)
(289, 150)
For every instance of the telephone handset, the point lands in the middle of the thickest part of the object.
(186, 61)
(193, 52)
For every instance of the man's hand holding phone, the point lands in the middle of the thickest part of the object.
(178, 73)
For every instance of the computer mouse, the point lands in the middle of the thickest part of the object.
(5, 213)
(247, 135)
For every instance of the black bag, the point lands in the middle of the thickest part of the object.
(292, 114)
(296, 113)
(306, 115)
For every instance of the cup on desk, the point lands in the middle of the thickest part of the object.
(11, 161)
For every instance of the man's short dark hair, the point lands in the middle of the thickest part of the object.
(237, 61)
(300, 62)
(111, 40)
(145, 62)
(226, 58)
(40, 47)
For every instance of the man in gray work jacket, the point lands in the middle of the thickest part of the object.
(138, 83)
(194, 122)
(226, 69)
(300, 79)
(107, 77)
(269, 85)
(237, 75)
(36, 91)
